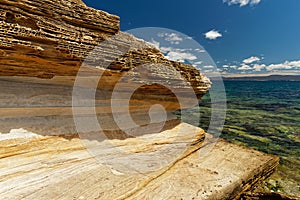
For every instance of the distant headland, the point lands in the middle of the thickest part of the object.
(264, 78)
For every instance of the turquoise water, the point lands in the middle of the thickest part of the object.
(264, 116)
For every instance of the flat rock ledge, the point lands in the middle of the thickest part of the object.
(56, 167)
(43, 46)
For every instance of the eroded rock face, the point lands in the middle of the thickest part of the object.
(48, 38)
(52, 38)
(44, 46)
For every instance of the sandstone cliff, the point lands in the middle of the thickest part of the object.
(51, 38)
(43, 44)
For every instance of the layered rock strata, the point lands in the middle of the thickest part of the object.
(48, 50)
(51, 167)
(52, 38)
(46, 45)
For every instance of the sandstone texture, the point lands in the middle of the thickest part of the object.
(46, 46)
(52, 167)
(52, 38)
(86, 112)
(48, 38)
(50, 48)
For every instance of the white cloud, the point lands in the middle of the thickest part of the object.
(242, 2)
(196, 64)
(251, 60)
(296, 64)
(233, 67)
(258, 67)
(208, 71)
(173, 38)
(245, 67)
(155, 43)
(208, 67)
(175, 54)
(166, 49)
(180, 56)
(285, 65)
(212, 35)
(254, 2)
(200, 50)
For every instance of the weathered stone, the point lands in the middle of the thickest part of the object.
(52, 38)
(43, 44)
(51, 167)
(44, 47)
(41, 38)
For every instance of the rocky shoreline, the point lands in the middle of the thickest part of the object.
(44, 46)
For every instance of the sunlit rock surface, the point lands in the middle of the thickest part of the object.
(53, 52)
(52, 167)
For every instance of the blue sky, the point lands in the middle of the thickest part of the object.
(242, 36)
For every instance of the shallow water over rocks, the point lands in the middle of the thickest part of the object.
(264, 116)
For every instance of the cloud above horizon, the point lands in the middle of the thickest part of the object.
(245, 67)
(173, 38)
(172, 53)
(212, 34)
(249, 66)
(251, 60)
(242, 2)
(180, 56)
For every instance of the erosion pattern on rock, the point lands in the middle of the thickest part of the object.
(51, 38)
(48, 38)
(43, 46)
(51, 167)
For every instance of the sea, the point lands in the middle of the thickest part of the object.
(263, 115)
